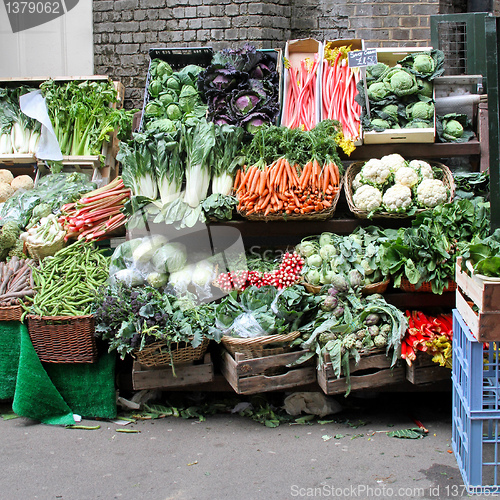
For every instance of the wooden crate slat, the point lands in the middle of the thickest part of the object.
(163, 378)
(17, 159)
(255, 380)
(424, 371)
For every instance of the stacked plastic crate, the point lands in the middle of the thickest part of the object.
(476, 409)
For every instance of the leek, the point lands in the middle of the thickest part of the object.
(198, 142)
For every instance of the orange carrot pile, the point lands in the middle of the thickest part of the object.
(338, 90)
(282, 188)
(97, 213)
(300, 98)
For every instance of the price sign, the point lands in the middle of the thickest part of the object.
(362, 58)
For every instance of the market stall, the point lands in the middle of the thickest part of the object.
(253, 233)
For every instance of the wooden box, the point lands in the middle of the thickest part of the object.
(372, 371)
(187, 374)
(391, 56)
(424, 371)
(484, 293)
(269, 373)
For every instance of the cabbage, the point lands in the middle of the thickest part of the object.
(157, 280)
(170, 258)
(424, 63)
(122, 254)
(173, 83)
(188, 98)
(203, 274)
(160, 68)
(155, 87)
(174, 112)
(154, 108)
(378, 91)
(129, 277)
(149, 244)
(401, 82)
(180, 280)
(420, 110)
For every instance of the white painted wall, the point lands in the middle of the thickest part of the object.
(61, 47)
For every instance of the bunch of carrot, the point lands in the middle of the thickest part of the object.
(282, 188)
(97, 213)
(300, 99)
(338, 90)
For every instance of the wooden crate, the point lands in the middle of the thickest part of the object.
(270, 373)
(424, 371)
(484, 293)
(371, 372)
(187, 374)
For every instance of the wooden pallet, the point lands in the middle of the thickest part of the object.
(424, 371)
(270, 373)
(372, 371)
(483, 293)
(187, 374)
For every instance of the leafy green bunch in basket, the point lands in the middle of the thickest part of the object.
(349, 326)
(130, 318)
(327, 255)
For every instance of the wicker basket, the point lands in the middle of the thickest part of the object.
(157, 354)
(11, 313)
(39, 252)
(63, 339)
(354, 169)
(379, 287)
(259, 347)
(406, 286)
(282, 216)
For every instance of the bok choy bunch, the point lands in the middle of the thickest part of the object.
(137, 167)
(228, 140)
(18, 133)
(198, 143)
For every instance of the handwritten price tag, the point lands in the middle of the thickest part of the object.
(362, 58)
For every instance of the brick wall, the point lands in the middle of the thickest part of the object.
(124, 30)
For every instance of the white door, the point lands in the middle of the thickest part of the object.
(46, 38)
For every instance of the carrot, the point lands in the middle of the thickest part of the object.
(306, 173)
(263, 181)
(244, 181)
(237, 179)
(255, 181)
(326, 177)
(334, 173)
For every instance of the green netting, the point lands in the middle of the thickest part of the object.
(89, 389)
(10, 344)
(36, 397)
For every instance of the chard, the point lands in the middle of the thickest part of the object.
(168, 168)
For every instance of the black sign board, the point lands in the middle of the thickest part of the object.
(361, 58)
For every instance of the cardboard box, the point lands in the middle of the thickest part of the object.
(391, 56)
(297, 51)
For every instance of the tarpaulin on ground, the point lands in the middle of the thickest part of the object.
(53, 393)
(10, 343)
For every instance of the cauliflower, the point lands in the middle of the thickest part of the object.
(422, 168)
(367, 198)
(6, 176)
(22, 182)
(397, 198)
(431, 192)
(6, 191)
(9, 235)
(357, 182)
(406, 176)
(375, 172)
(394, 161)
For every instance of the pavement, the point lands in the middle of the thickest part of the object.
(229, 456)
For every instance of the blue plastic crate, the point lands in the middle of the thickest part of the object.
(476, 409)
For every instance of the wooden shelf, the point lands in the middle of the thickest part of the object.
(420, 151)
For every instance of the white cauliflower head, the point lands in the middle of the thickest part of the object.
(356, 182)
(431, 192)
(375, 172)
(367, 198)
(422, 168)
(397, 198)
(394, 161)
(406, 176)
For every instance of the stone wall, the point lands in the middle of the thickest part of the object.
(124, 30)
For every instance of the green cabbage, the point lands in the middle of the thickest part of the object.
(188, 98)
(420, 110)
(170, 258)
(378, 91)
(147, 248)
(174, 112)
(424, 63)
(401, 82)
